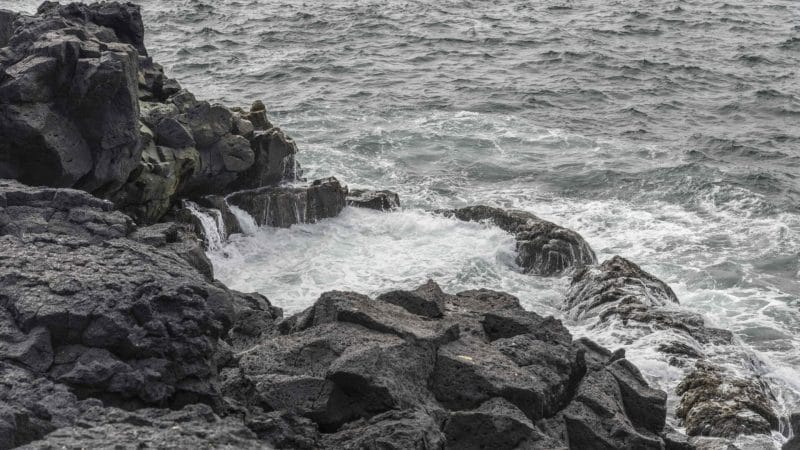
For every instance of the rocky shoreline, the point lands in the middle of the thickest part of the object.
(113, 331)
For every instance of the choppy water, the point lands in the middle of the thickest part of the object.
(666, 132)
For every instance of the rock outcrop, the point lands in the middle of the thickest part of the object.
(543, 248)
(286, 206)
(425, 369)
(90, 306)
(713, 401)
(379, 200)
(83, 106)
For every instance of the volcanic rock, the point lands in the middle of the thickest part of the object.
(543, 248)
(378, 200)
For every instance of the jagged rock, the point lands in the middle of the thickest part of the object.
(428, 300)
(128, 322)
(543, 248)
(794, 442)
(495, 424)
(75, 83)
(480, 372)
(598, 291)
(379, 200)
(69, 107)
(274, 161)
(31, 406)
(7, 19)
(410, 429)
(287, 206)
(219, 203)
(194, 426)
(715, 403)
(258, 116)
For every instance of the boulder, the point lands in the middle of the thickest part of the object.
(378, 200)
(599, 290)
(411, 429)
(274, 161)
(719, 404)
(428, 300)
(794, 442)
(543, 248)
(286, 206)
(7, 19)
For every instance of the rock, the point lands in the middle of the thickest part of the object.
(794, 442)
(219, 203)
(495, 424)
(258, 116)
(171, 133)
(194, 426)
(411, 429)
(7, 19)
(70, 102)
(598, 291)
(378, 200)
(715, 403)
(287, 206)
(128, 322)
(274, 161)
(543, 248)
(428, 300)
(478, 372)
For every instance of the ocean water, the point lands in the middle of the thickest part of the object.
(666, 132)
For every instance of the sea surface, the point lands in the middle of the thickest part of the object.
(666, 132)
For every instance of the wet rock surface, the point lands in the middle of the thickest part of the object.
(285, 206)
(379, 200)
(714, 401)
(543, 248)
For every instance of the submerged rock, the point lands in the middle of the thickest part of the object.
(543, 248)
(378, 200)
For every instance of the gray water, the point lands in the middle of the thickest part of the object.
(666, 132)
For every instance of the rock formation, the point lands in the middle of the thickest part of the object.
(714, 401)
(83, 106)
(543, 248)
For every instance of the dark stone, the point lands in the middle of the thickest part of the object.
(7, 19)
(495, 424)
(794, 442)
(378, 200)
(598, 291)
(427, 300)
(411, 429)
(543, 248)
(171, 133)
(287, 206)
(274, 161)
(715, 403)
(129, 323)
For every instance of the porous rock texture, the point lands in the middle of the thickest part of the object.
(714, 401)
(92, 307)
(82, 105)
(543, 248)
(478, 373)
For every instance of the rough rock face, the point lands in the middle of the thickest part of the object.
(89, 303)
(83, 106)
(378, 200)
(714, 403)
(600, 290)
(68, 97)
(543, 248)
(425, 369)
(794, 442)
(286, 206)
